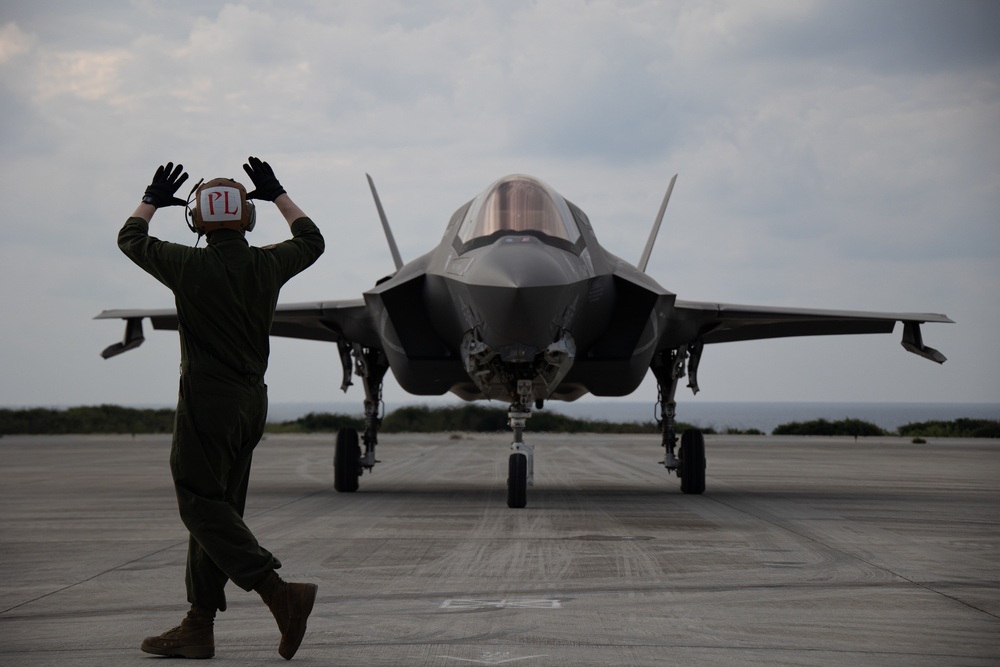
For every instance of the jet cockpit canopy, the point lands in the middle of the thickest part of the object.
(518, 204)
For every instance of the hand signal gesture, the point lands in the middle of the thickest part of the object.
(266, 185)
(167, 179)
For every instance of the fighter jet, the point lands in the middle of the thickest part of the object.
(519, 303)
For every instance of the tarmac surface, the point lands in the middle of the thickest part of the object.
(802, 551)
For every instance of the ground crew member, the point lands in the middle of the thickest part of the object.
(225, 295)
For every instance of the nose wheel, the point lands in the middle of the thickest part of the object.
(517, 480)
(521, 465)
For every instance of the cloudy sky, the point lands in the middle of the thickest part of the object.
(831, 154)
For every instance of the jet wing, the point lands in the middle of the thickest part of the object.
(725, 323)
(332, 321)
(164, 318)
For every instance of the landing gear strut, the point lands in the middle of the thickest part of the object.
(521, 465)
(348, 463)
(689, 463)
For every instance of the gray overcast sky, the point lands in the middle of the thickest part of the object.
(831, 154)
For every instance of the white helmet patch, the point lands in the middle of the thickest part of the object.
(220, 203)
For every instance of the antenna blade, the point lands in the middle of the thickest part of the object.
(385, 226)
(656, 227)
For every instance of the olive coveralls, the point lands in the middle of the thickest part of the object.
(225, 295)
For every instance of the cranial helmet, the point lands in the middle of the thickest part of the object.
(221, 203)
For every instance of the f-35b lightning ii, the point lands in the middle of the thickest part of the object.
(520, 303)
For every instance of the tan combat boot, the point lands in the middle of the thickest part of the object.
(291, 605)
(193, 638)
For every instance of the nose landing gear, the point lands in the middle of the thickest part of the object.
(521, 465)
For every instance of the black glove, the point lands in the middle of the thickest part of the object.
(166, 180)
(265, 183)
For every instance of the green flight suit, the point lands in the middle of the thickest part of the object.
(225, 295)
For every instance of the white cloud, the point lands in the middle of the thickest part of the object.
(823, 162)
(13, 42)
(86, 75)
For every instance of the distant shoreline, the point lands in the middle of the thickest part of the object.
(933, 420)
(718, 415)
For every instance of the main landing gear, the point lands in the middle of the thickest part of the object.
(348, 463)
(669, 366)
(689, 463)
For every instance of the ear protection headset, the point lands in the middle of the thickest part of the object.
(220, 203)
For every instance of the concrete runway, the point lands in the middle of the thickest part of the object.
(801, 552)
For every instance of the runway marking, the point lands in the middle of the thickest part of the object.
(493, 658)
(467, 604)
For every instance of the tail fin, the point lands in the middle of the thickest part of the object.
(385, 226)
(656, 227)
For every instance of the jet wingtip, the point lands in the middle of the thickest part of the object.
(925, 352)
(913, 342)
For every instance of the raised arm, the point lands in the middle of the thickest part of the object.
(289, 209)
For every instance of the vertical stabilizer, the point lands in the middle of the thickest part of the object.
(385, 226)
(656, 227)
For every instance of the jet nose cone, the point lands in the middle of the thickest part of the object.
(520, 262)
(521, 291)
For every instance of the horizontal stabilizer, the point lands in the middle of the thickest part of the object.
(133, 339)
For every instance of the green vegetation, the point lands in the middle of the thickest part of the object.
(83, 420)
(317, 422)
(959, 428)
(468, 418)
(473, 418)
(411, 419)
(855, 427)
(729, 430)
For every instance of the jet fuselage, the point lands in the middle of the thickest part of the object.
(519, 290)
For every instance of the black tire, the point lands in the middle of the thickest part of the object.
(517, 480)
(692, 464)
(346, 461)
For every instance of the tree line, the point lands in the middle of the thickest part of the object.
(474, 418)
(424, 419)
(86, 419)
(957, 428)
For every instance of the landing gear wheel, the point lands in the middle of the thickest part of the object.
(692, 462)
(517, 480)
(346, 461)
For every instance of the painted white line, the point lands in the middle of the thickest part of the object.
(467, 604)
(491, 658)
